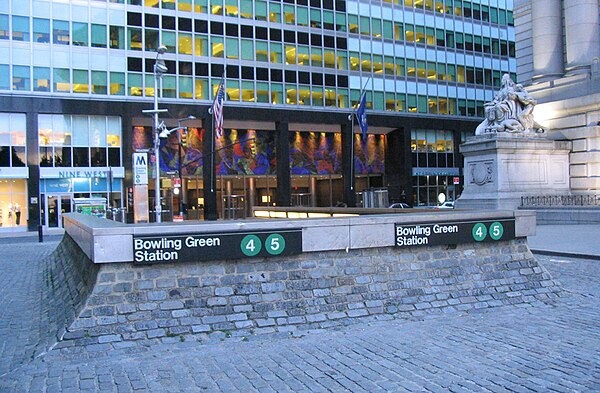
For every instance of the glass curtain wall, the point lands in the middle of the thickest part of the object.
(13, 158)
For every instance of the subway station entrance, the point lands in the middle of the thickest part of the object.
(238, 194)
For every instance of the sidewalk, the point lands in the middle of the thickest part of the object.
(581, 241)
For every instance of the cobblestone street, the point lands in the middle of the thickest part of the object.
(544, 347)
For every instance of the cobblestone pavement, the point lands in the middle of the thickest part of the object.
(22, 332)
(544, 348)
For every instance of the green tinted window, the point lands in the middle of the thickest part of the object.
(99, 85)
(62, 80)
(98, 36)
(260, 10)
(80, 34)
(117, 83)
(302, 16)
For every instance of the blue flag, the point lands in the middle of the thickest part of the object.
(361, 115)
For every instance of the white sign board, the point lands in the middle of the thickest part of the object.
(140, 168)
(115, 172)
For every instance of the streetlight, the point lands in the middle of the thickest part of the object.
(159, 70)
(164, 134)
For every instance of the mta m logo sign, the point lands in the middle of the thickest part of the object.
(140, 160)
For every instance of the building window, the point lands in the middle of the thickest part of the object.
(4, 31)
(41, 30)
(80, 81)
(201, 45)
(134, 84)
(168, 4)
(4, 77)
(169, 86)
(200, 6)
(80, 33)
(134, 38)
(13, 203)
(41, 79)
(60, 32)
(20, 79)
(289, 14)
(62, 80)
(201, 89)
(232, 48)
(99, 36)
(186, 87)
(99, 85)
(20, 28)
(169, 39)
(185, 44)
(79, 141)
(260, 12)
(13, 140)
(117, 83)
(274, 12)
(117, 37)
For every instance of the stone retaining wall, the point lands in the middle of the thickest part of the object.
(69, 277)
(199, 300)
(567, 215)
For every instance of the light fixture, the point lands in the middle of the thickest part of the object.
(164, 134)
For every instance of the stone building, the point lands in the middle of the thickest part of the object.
(558, 61)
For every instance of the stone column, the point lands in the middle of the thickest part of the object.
(546, 21)
(582, 27)
(33, 180)
(347, 166)
(208, 170)
(284, 184)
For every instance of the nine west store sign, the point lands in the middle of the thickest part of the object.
(432, 234)
(217, 246)
(82, 172)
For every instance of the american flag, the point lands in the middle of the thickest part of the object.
(218, 110)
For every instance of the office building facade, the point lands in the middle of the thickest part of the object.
(75, 77)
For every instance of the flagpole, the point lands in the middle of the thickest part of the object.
(212, 134)
(365, 86)
(352, 116)
(212, 155)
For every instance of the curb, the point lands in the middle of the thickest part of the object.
(566, 254)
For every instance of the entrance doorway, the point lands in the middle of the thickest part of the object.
(54, 206)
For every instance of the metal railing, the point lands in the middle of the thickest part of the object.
(116, 214)
(560, 200)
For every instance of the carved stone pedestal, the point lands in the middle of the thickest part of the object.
(500, 168)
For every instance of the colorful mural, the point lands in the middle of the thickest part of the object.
(191, 151)
(369, 154)
(249, 152)
(245, 152)
(314, 153)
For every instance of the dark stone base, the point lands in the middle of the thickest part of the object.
(289, 295)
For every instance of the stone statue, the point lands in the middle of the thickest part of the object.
(510, 111)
